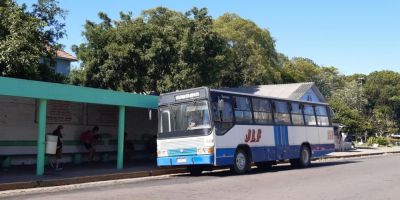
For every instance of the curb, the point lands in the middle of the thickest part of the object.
(126, 175)
(356, 155)
(87, 179)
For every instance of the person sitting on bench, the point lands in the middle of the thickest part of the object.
(88, 138)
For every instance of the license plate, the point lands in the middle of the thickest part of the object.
(181, 160)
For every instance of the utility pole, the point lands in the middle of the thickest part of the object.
(360, 82)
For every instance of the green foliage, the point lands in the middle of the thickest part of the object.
(383, 121)
(375, 97)
(28, 39)
(76, 77)
(299, 69)
(251, 55)
(382, 89)
(161, 50)
(354, 123)
(352, 95)
(382, 141)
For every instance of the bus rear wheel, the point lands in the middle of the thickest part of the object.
(304, 160)
(241, 162)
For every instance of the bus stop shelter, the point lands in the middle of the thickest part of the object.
(45, 91)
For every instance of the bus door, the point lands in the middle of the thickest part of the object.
(281, 141)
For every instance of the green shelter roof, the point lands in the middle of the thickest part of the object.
(63, 92)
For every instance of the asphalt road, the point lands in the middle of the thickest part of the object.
(363, 178)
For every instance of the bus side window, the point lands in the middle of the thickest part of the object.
(309, 115)
(223, 120)
(322, 116)
(242, 109)
(297, 114)
(262, 111)
(281, 114)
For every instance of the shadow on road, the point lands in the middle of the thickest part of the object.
(222, 172)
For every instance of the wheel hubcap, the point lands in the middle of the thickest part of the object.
(241, 161)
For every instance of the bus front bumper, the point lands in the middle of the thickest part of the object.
(185, 160)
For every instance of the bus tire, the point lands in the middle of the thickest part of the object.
(304, 159)
(195, 170)
(241, 162)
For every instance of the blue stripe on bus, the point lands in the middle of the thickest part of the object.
(320, 150)
(282, 142)
(225, 156)
(186, 160)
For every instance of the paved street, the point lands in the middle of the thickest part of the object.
(375, 177)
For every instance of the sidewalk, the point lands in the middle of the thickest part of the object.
(364, 151)
(19, 177)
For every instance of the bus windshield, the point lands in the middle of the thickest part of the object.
(185, 116)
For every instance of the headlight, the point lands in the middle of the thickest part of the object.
(162, 153)
(206, 150)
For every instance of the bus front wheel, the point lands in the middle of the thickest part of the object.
(241, 163)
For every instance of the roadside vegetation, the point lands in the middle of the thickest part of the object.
(163, 50)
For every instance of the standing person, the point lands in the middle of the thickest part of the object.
(88, 138)
(57, 132)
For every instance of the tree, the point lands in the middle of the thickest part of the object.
(353, 121)
(351, 95)
(28, 40)
(349, 104)
(383, 122)
(299, 69)
(251, 58)
(77, 77)
(382, 89)
(161, 50)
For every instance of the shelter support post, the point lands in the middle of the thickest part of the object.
(121, 131)
(41, 142)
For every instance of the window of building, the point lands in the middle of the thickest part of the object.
(297, 114)
(242, 109)
(281, 114)
(262, 111)
(309, 115)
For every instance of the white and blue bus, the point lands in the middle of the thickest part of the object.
(201, 127)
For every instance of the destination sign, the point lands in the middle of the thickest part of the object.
(187, 96)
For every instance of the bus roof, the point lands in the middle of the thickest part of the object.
(269, 97)
(243, 94)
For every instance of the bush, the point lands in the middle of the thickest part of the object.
(382, 141)
(371, 141)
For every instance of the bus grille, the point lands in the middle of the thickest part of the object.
(182, 152)
(181, 143)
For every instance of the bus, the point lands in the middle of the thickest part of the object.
(202, 128)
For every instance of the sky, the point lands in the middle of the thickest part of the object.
(355, 36)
